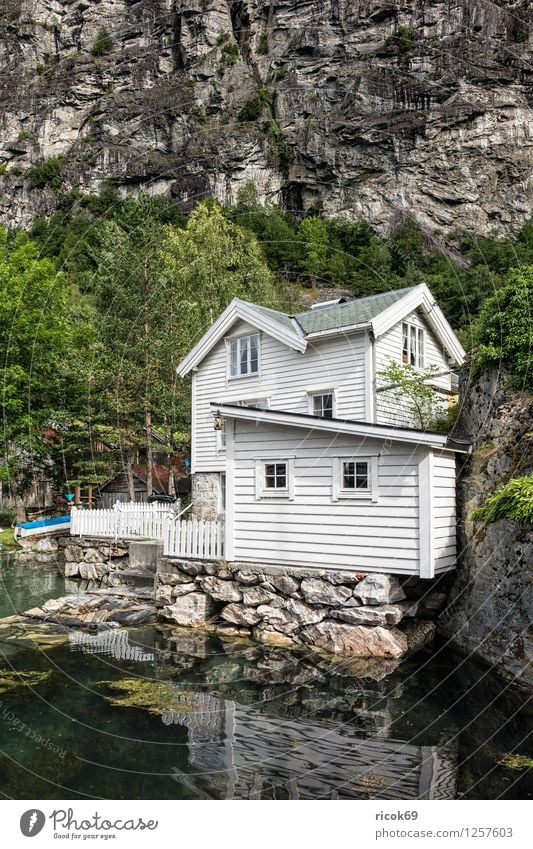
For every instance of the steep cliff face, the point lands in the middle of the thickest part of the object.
(491, 604)
(368, 108)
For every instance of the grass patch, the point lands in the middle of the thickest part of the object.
(516, 762)
(11, 680)
(512, 501)
(157, 697)
(7, 542)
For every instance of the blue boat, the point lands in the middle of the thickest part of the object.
(42, 527)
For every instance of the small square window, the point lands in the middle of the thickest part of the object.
(323, 405)
(355, 477)
(275, 475)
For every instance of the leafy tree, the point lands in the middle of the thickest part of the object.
(410, 386)
(504, 330)
(103, 43)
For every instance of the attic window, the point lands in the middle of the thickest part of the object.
(412, 345)
(243, 356)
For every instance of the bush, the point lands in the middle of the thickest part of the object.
(7, 517)
(504, 330)
(103, 43)
(48, 173)
(403, 39)
(251, 110)
(512, 501)
(262, 47)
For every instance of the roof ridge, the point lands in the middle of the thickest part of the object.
(353, 301)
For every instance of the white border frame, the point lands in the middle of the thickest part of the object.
(370, 494)
(257, 374)
(312, 393)
(263, 494)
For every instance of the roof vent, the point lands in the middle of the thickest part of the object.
(324, 304)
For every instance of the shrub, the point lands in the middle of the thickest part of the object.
(403, 39)
(103, 43)
(251, 110)
(7, 517)
(48, 173)
(512, 501)
(262, 47)
(504, 330)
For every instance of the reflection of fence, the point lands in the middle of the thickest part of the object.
(124, 521)
(181, 537)
(202, 540)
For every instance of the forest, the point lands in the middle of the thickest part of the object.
(101, 301)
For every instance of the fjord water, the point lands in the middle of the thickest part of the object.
(225, 718)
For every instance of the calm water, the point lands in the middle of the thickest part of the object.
(234, 720)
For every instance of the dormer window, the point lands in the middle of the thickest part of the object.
(412, 345)
(243, 356)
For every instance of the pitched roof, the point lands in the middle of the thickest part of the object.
(358, 311)
(274, 315)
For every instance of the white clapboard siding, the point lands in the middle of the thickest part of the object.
(314, 530)
(444, 511)
(285, 378)
(199, 540)
(389, 409)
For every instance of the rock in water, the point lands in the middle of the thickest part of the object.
(358, 640)
(193, 609)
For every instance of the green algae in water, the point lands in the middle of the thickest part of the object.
(516, 762)
(157, 697)
(11, 680)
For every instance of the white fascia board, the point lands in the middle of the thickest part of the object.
(339, 331)
(435, 440)
(237, 310)
(421, 297)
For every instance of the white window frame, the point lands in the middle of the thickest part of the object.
(229, 341)
(263, 493)
(316, 393)
(338, 491)
(419, 346)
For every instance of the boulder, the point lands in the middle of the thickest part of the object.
(46, 545)
(238, 614)
(336, 578)
(91, 571)
(190, 567)
(93, 555)
(220, 589)
(318, 591)
(163, 595)
(173, 578)
(264, 634)
(183, 589)
(386, 614)
(73, 552)
(379, 589)
(253, 596)
(284, 584)
(247, 578)
(193, 609)
(305, 613)
(279, 619)
(419, 635)
(358, 640)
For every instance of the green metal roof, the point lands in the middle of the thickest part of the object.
(358, 311)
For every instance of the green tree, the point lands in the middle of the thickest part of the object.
(103, 43)
(504, 330)
(410, 386)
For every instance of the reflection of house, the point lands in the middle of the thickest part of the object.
(263, 756)
(165, 481)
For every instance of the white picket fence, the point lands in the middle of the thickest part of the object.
(180, 537)
(196, 539)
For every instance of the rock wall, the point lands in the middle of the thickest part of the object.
(491, 602)
(206, 495)
(337, 612)
(363, 108)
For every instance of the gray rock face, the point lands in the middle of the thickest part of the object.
(358, 640)
(193, 609)
(491, 604)
(254, 596)
(358, 121)
(284, 584)
(317, 591)
(47, 545)
(379, 589)
(387, 614)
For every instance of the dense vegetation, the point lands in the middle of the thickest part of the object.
(100, 303)
(513, 500)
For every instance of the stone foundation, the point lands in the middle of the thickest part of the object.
(206, 495)
(372, 615)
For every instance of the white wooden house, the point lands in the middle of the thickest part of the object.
(304, 449)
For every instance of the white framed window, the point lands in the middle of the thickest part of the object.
(274, 478)
(260, 403)
(412, 345)
(322, 403)
(355, 477)
(243, 356)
